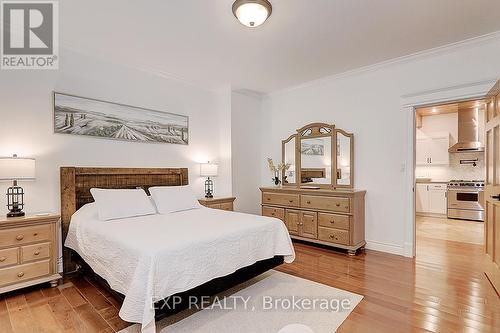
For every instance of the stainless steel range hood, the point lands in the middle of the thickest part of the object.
(468, 131)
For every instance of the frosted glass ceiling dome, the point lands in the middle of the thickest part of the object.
(252, 13)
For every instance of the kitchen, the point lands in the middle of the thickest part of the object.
(450, 171)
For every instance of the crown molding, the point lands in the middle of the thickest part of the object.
(249, 93)
(440, 50)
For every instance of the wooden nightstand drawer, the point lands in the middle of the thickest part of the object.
(218, 203)
(333, 235)
(325, 203)
(18, 236)
(333, 221)
(226, 206)
(20, 273)
(214, 206)
(8, 257)
(291, 200)
(35, 252)
(278, 213)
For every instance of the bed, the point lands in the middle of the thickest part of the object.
(149, 258)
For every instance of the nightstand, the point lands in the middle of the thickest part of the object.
(219, 203)
(28, 251)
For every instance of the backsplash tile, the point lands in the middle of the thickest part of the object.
(455, 170)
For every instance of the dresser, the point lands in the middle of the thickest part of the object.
(324, 216)
(28, 251)
(219, 203)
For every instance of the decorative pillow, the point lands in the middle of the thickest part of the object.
(121, 203)
(170, 199)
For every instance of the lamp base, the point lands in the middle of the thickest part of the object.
(15, 214)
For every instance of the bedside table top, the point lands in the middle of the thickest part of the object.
(29, 218)
(216, 200)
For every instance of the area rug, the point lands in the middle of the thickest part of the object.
(272, 302)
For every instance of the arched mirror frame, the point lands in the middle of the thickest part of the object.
(283, 159)
(318, 130)
(351, 158)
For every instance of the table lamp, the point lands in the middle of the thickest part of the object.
(209, 170)
(15, 168)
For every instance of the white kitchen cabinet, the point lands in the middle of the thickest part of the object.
(430, 198)
(433, 150)
(421, 152)
(421, 198)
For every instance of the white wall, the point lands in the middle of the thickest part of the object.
(246, 151)
(369, 104)
(26, 125)
(449, 123)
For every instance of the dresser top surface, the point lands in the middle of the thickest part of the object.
(296, 190)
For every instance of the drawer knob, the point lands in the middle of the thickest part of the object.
(35, 234)
(337, 204)
(290, 201)
(273, 214)
(3, 259)
(308, 202)
(20, 274)
(37, 252)
(20, 237)
(332, 221)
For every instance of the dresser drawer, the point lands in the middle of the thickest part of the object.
(25, 235)
(8, 257)
(283, 199)
(35, 252)
(20, 273)
(333, 235)
(278, 213)
(333, 221)
(337, 204)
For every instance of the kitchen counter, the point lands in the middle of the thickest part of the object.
(426, 181)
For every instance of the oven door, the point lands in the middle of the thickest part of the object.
(465, 199)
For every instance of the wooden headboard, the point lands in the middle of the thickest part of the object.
(76, 183)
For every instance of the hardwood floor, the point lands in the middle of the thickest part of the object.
(442, 290)
(75, 306)
(448, 229)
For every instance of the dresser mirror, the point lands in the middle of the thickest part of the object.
(288, 148)
(344, 158)
(318, 155)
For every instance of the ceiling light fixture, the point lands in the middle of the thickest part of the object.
(252, 13)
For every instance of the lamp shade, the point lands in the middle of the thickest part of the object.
(15, 168)
(208, 170)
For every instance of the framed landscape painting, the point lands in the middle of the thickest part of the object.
(95, 118)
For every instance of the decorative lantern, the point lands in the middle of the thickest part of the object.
(15, 168)
(209, 170)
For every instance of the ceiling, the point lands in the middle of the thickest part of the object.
(450, 108)
(201, 42)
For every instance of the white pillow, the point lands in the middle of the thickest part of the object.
(121, 203)
(170, 199)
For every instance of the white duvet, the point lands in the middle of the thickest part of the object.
(152, 257)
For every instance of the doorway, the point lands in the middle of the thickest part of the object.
(450, 175)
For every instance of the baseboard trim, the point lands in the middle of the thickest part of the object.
(388, 248)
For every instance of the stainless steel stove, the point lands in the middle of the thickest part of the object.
(466, 200)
